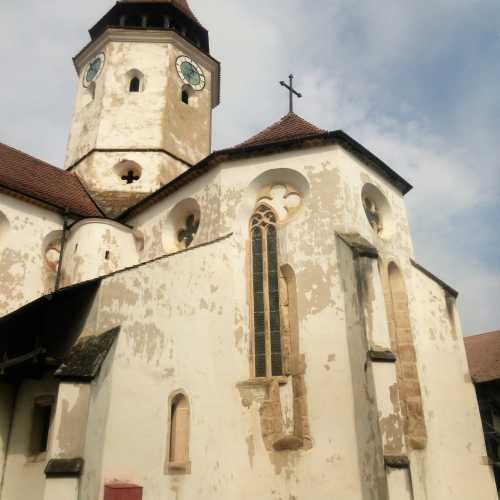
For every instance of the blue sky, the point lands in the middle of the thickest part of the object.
(415, 82)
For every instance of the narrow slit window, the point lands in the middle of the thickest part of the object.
(135, 84)
(179, 433)
(185, 96)
(42, 415)
(268, 357)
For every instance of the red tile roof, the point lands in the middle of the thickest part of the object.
(483, 353)
(289, 127)
(26, 176)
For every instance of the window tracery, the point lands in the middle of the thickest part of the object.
(266, 294)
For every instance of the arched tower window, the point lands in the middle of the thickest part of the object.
(266, 296)
(135, 84)
(185, 96)
(135, 79)
(178, 457)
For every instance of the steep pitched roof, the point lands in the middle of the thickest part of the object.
(36, 180)
(483, 354)
(182, 5)
(289, 127)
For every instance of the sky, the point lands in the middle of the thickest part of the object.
(417, 83)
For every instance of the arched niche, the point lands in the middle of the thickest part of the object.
(4, 229)
(182, 226)
(378, 211)
(52, 245)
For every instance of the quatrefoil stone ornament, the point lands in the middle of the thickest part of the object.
(283, 199)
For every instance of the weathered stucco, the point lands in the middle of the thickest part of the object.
(24, 272)
(24, 477)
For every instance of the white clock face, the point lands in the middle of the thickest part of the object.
(93, 70)
(190, 73)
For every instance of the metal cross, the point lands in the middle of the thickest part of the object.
(130, 177)
(292, 91)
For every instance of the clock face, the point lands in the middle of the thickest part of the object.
(190, 73)
(93, 70)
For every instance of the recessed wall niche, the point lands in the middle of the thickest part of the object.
(4, 228)
(52, 250)
(377, 210)
(182, 226)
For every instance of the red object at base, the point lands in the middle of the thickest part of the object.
(122, 491)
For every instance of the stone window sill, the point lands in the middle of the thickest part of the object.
(179, 467)
(263, 381)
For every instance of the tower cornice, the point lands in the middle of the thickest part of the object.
(169, 36)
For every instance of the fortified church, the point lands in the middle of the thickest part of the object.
(250, 323)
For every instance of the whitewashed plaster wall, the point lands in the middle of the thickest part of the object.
(454, 464)
(24, 233)
(24, 473)
(335, 179)
(333, 204)
(97, 247)
(182, 329)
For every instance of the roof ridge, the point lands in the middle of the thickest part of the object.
(289, 126)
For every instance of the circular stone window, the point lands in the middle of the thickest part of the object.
(377, 210)
(182, 226)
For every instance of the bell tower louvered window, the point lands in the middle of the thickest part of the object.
(266, 296)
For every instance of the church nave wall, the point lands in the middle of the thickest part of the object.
(26, 271)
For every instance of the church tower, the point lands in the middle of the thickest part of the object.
(146, 89)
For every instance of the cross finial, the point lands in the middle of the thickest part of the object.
(291, 90)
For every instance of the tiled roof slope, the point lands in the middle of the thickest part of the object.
(182, 5)
(289, 127)
(483, 353)
(35, 179)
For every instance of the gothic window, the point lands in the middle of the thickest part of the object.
(186, 235)
(135, 81)
(41, 419)
(266, 294)
(135, 84)
(178, 453)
